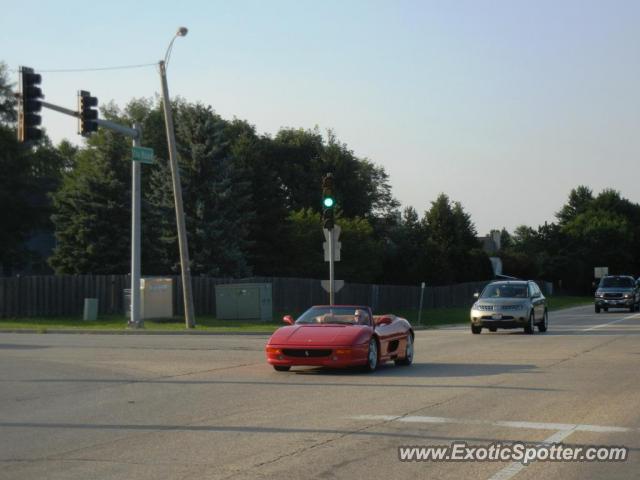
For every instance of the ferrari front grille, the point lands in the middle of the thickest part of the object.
(308, 353)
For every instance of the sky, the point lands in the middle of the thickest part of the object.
(504, 105)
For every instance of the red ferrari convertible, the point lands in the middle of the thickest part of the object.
(341, 336)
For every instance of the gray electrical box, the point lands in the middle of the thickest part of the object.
(156, 298)
(244, 301)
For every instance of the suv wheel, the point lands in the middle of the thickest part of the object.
(530, 325)
(542, 326)
(597, 309)
(476, 330)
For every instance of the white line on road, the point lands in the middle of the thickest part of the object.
(513, 468)
(564, 427)
(563, 430)
(637, 315)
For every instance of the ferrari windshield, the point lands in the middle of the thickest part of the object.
(505, 290)
(335, 315)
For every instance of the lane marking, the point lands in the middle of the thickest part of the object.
(514, 467)
(637, 315)
(563, 427)
(562, 431)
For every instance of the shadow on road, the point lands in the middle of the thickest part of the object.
(430, 370)
(14, 346)
(368, 432)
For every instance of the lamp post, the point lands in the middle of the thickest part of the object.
(177, 188)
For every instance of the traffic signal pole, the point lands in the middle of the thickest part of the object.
(328, 217)
(136, 134)
(331, 269)
(135, 321)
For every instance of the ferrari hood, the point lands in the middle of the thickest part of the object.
(319, 335)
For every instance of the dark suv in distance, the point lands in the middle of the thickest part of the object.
(617, 291)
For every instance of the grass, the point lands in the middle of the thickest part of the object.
(430, 318)
(557, 303)
(118, 322)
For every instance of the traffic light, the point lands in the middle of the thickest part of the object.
(29, 106)
(88, 113)
(328, 202)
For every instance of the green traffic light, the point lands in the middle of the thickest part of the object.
(328, 202)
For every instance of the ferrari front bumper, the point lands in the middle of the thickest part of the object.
(318, 356)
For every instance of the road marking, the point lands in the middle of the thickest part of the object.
(563, 430)
(563, 427)
(514, 467)
(612, 322)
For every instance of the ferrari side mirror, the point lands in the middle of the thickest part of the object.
(288, 319)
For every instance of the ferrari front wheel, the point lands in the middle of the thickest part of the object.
(281, 368)
(372, 356)
(408, 352)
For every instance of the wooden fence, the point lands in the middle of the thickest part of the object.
(54, 295)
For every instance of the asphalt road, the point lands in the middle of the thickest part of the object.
(209, 407)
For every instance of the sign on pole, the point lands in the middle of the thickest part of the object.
(599, 272)
(337, 284)
(336, 233)
(142, 155)
(336, 251)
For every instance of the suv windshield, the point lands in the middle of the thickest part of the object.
(505, 290)
(335, 315)
(616, 282)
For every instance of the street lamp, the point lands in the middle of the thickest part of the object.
(177, 188)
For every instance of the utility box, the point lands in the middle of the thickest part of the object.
(244, 301)
(156, 298)
(90, 309)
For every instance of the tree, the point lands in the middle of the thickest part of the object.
(580, 199)
(452, 244)
(267, 227)
(216, 196)
(92, 209)
(304, 245)
(361, 251)
(362, 189)
(8, 113)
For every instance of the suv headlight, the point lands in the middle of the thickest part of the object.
(599, 293)
(627, 295)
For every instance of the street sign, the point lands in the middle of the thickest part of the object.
(336, 251)
(336, 233)
(599, 272)
(337, 285)
(142, 155)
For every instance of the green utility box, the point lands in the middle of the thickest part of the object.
(90, 312)
(244, 301)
